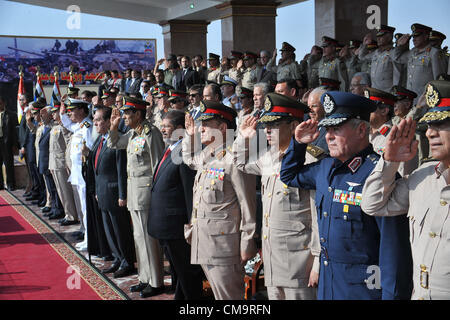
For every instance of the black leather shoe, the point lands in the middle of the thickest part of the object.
(111, 269)
(56, 216)
(46, 209)
(48, 214)
(68, 223)
(42, 204)
(124, 272)
(139, 287)
(149, 291)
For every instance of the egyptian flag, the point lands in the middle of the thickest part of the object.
(39, 91)
(56, 93)
(21, 91)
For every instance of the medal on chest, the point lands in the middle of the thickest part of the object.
(138, 143)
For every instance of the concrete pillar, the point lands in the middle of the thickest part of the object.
(345, 20)
(187, 37)
(248, 25)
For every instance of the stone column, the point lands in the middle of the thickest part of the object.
(346, 20)
(187, 37)
(248, 26)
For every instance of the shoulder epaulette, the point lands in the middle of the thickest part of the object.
(384, 131)
(85, 124)
(314, 151)
(147, 128)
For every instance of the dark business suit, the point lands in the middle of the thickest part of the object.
(38, 189)
(111, 185)
(186, 79)
(135, 86)
(8, 140)
(170, 210)
(264, 75)
(56, 205)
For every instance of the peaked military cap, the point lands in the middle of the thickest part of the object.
(213, 56)
(177, 95)
(330, 83)
(72, 90)
(108, 93)
(379, 96)
(286, 47)
(372, 46)
(38, 104)
(436, 35)
(56, 106)
(162, 92)
(249, 55)
(327, 41)
(278, 106)
(419, 29)
(354, 44)
(383, 29)
(76, 103)
(437, 94)
(130, 103)
(402, 93)
(246, 93)
(235, 55)
(230, 81)
(342, 106)
(216, 110)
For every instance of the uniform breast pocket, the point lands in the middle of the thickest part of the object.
(349, 224)
(416, 222)
(291, 199)
(214, 192)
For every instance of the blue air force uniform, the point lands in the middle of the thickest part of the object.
(361, 257)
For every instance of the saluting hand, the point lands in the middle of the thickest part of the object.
(404, 40)
(115, 119)
(307, 131)
(189, 124)
(248, 127)
(400, 144)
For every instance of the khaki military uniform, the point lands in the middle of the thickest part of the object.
(287, 230)
(156, 118)
(214, 74)
(353, 66)
(223, 218)
(249, 77)
(58, 169)
(235, 74)
(313, 71)
(284, 70)
(423, 66)
(334, 69)
(385, 72)
(424, 196)
(144, 150)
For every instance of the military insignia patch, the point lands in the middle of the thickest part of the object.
(328, 104)
(147, 129)
(367, 94)
(355, 164)
(86, 124)
(432, 96)
(267, 104)
(202, 107)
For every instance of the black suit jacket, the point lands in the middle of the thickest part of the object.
(110, 175)
(190, 78)
(266, 76)
(134, 88)
(9, 123)
(44, 142)
(171, 199)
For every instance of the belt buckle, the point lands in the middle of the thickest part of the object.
(424, 279)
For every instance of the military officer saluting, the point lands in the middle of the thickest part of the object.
(330, 66)
(214, 71)
(290, 240)
(423, 196)
(287, 67)
(250, 70)
(384, 71)
(424, 62)
(354, 245)
(144, 145)
(224, 203)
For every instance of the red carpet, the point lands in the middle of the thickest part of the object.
(36, 264)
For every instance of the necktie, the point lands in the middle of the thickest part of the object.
(166, 154)
(100, 146)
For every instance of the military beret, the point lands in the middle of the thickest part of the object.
(249, 55)
(213, 56)
(354, 44)
(76, 103)
(130, 103)
(235, 55)
(437, 94)
(246, 93)
(331, 84)
(379, 96)
(278, 106)
(342, 106)
(383, 29)
(286, 47)
(177, 95)
(419, 29)
(327, 41)
(216, 110)
(228, 81)
(436, 35)
(402, 93)
(162, 92)
(72, 90)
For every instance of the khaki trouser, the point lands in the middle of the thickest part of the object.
(227, 282)
(280, 293)
(65, 193)
(149, 254)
